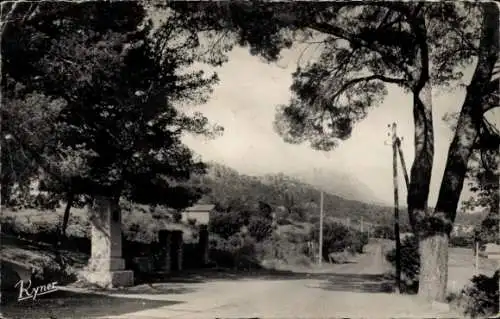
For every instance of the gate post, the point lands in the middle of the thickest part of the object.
(165, 243)
(177, 250)
(203, 245)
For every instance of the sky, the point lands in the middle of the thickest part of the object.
(244, 103)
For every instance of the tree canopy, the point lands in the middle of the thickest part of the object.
(120, 81)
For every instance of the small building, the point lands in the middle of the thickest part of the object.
(200, 213)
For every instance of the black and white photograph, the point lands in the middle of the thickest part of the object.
(250, 159)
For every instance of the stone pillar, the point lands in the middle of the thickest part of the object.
(165, 241)
(177, 249)
(203, 245)
(106, 267)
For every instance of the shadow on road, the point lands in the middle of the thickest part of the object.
(164, 288)
(330, 281)
(358, 283)
(65, 304)
(227, 274)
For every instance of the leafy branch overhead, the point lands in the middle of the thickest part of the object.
(362, 48)
(122, 81)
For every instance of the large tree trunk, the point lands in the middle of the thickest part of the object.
(421, 170)
(67, 210)
(434, 267)
(435, 229)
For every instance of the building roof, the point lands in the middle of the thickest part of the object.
(200, 208)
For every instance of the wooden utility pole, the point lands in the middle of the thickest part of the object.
(396, 206)
(476, 266)
(320, 257)
(403, 164)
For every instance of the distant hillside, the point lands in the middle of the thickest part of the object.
(231, 190)
(341, 184)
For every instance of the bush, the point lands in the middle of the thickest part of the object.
(338, 238)
(462, 241)
(386, 232)
(224, 224)
(237, 252)
(191, 222)
(177, 216)
(140, 226)
(480, 299)
(260, 228)
(358, 241)
(279, 250)
(410, 262)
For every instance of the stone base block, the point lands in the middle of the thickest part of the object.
(110, 279)
(107, 264)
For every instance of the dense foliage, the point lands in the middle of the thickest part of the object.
(462, 241)
(111, 83)
(339, 238)
(225, 224)
(480, 298)
(410, 262)
(383, 231)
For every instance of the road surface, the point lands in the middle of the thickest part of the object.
(353, 290)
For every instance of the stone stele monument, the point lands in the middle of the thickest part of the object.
(106, 266)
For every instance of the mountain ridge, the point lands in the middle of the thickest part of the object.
(237, 191)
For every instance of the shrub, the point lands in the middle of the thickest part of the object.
(358, 241)
(410, 262)
(279, 250)
(140, 226)
(338, 238)
(260, 228)
(238, 252)
(334, 237)
(177, 216)
(191, 222)
(480, 299)
(384, 232)
(462, 241)
(224, 224)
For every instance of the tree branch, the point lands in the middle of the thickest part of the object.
(421, 36)
(343, 34)
(366, 79)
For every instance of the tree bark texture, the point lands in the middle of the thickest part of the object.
(433, 267)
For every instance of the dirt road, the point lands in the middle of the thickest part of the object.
(353, 290)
